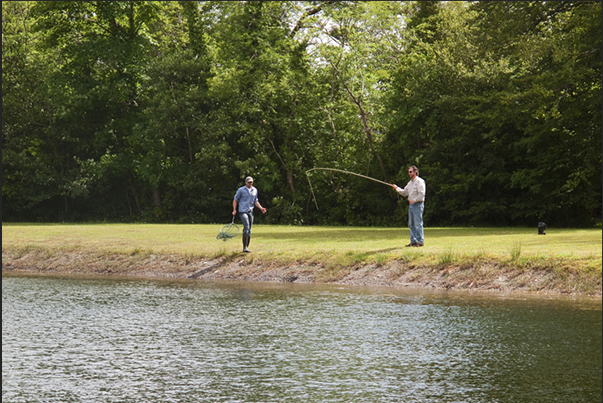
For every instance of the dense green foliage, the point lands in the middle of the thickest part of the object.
(155, 111)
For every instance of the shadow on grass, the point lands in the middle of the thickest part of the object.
(365, 254)
(359, 233)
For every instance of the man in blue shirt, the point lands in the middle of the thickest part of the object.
(246, 198)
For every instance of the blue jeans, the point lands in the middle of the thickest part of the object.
(247, 220)
(415, 222)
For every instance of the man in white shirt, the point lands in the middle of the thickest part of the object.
(415, 192)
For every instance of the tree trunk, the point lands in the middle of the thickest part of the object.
(136, 198)
(156, 197)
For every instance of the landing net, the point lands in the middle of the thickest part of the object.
(228, 231)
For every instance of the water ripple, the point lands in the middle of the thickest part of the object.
(92, 340)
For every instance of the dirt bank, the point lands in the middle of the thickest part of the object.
(483, 275)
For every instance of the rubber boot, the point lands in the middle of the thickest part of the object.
(245, 243)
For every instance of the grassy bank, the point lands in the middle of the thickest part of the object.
(327, 254)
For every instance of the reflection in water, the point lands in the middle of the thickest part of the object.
(107, 340)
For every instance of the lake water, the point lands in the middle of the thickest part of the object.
(136, 340)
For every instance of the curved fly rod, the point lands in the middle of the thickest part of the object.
(342, 171)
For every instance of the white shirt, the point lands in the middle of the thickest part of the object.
(414, 190)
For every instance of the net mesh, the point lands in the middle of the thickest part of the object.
(228, 231)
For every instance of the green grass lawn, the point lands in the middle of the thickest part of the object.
(580, 248)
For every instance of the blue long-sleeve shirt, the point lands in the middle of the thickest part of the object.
(246, 198)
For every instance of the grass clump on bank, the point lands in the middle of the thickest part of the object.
(334, 251)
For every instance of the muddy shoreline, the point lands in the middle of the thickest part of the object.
(484, 276)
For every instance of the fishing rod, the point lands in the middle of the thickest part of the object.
(342, 171)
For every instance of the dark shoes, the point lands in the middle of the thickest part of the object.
(416, 244)
(246, 239)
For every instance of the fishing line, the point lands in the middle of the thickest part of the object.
(342, 171)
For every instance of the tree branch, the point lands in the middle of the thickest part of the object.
(367, 129)
(309, 12)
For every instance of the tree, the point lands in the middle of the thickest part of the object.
(156, 111)
(102, 48)
(31, 158)
(495, 126)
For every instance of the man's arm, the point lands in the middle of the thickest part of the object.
(401, 191)
(258, 205)
(234, 202)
